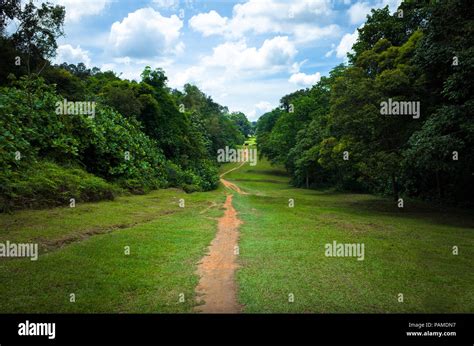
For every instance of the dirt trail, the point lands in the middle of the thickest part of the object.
(230, 185)
(217, 287)
(233, 187)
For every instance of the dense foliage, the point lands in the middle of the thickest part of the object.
(141, 135)
(335, 135)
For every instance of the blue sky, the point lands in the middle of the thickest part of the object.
(245, 54)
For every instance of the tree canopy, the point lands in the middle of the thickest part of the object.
(335, 135)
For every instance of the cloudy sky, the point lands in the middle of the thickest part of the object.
(244, 54)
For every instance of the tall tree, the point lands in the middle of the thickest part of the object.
(37, 32)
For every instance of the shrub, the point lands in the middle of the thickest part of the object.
(119, 151)
(209, 176)
(46, 184)
(203, 177)
(31, 126)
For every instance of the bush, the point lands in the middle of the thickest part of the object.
(119, 151)
(190, 188)
(108, 145)
(204, 177)
(46, 184)
(31, 126)
(208, 174)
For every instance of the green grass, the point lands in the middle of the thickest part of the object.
(82, 251)
(407, 251)
(251, 141)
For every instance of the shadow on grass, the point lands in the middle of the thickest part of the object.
(418, 210)
(357, 202)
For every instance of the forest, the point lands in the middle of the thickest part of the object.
(142, 136)
(337, 134)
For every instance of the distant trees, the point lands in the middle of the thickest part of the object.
(213, 119)
(243, 124)
(335, 135)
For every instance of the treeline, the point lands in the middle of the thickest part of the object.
(335, 135)
(141, 136)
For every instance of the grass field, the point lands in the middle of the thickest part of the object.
(407, 251)
(282, 252)
(86, 254)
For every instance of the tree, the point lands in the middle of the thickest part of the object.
(422, 54)
(8, 11)
(37, 32)
(241, 121)
(396, 27)
(122, 96)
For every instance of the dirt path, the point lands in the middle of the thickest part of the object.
(233, 187)
(230, 185)
(217, 287)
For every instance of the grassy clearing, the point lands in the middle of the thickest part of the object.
(407, 251)
(82, 251)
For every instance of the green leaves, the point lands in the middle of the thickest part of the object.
(425, 56)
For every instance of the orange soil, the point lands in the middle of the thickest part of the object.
(217, 287)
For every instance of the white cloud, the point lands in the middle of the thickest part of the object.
(76, 9)
(277, 13)
(251, 95)
(304, 79)
(331, 52)
(146, 33)
(359, 11)
(167, 4)
(295, 67)
(240, 76)
(306, 32)
(282, 17)
(274, 55)
(264, 106)
(210, 23)
(71, 55)
(259, 109)
(345, 46)
(310, 8)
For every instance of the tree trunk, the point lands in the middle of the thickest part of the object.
(307, 180)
